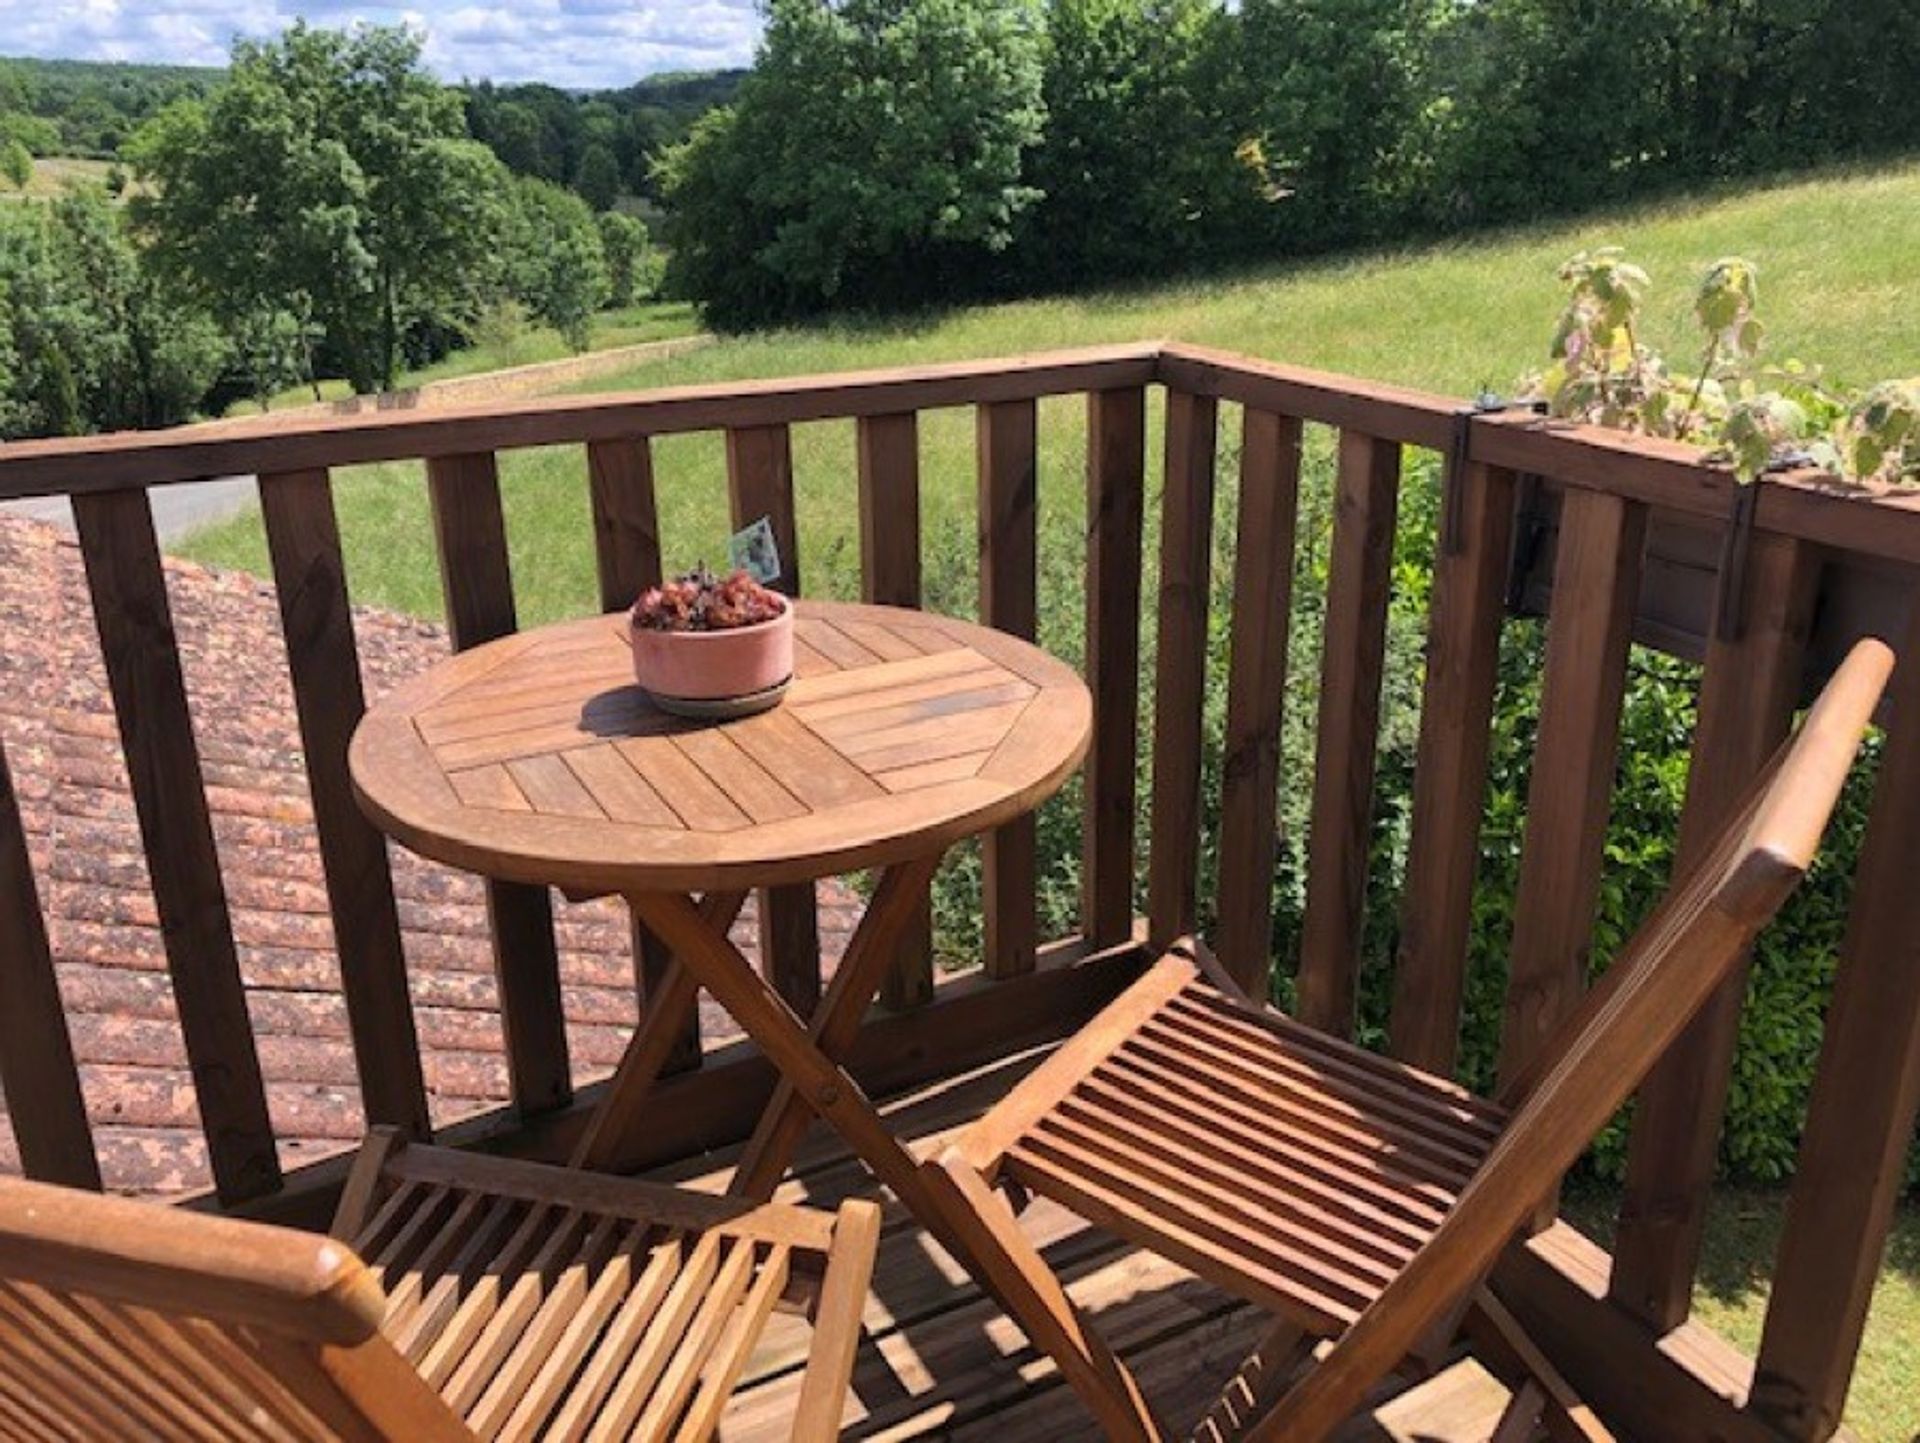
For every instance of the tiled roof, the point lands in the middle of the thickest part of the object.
(57, 723)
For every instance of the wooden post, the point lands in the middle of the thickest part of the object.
(1256, 694)
(1860, 1120)
(1354, 654)
(1006, 434)
(470, 534)
(1180, 670)
(760, 483)
(1450, 770)
(626, 553)
(38, 1076)
(303, 537)
(1116, 496)
(142, 657)
(889, 473)
(1747, 700)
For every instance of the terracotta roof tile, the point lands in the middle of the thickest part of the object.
(56, 721)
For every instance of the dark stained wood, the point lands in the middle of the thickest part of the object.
(1256, 693)
(1007, 444)
(45, 1108)
(1860, 1118)
(288, 443)
(626, 525)
(142, 656)
(470, 537)
(1116, 505)
(1395, 413)
(626, 553)
(888, 450)
(1450, 770)
(1747, 699)
(1179, 688)
(1366, 498)
(760, 483)
(303, 537)
(1573, 757)
(593, 790)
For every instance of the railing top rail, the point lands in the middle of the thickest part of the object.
(80, 464)
(1871, 521)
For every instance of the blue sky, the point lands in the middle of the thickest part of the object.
(580, 43)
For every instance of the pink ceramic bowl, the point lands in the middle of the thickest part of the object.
(714, 665)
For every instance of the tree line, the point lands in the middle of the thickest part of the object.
(600, 144)
(888, 153)
(322, 211)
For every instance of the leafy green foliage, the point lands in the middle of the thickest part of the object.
(597, 181)
(329, 176)
(89, 108)
(92, 340)
(633, 270)
(16, 164)
(874, 155)
(1755, 416)
(552, 258)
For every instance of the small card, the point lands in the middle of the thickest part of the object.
(754, 551)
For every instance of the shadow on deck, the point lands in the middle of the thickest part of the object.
(938, 1360)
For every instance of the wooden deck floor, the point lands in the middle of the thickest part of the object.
(940, 1361)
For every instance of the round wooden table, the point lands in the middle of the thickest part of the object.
(536, 759)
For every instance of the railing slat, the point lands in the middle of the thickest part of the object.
(1116, 506)
(1354, 654)
(626, 526)
(760, 483)
(38, 1076)
(470, 534)
(1186, 566)
(1450, 768)
(142, 658)
(1007, 442)
(1860, 1120)
(1595, 581)
(303, 536)
(626, 555)
(1747, 699)
(888, 450)
(1256, 694)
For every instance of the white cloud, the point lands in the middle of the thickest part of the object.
(577, 43)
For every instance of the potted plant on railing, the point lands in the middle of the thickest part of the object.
(711, 646)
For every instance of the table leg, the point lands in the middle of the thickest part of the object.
(836, 1021)
(667, 1007)
(958, 1221)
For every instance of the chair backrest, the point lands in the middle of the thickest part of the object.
(1591, 1065)
(123, 1319)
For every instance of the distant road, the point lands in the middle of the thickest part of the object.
(177, 510)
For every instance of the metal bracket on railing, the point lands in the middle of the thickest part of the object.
(1730, 598)
(1459, 452)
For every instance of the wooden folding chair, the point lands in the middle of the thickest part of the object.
(1358, 1199)
(499, 1299)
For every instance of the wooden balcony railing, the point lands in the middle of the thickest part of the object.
(1624, 540)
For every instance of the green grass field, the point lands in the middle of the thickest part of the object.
(1836, 261)
(54, 175)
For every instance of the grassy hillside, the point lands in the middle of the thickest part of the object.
(1835, 259)
(54, 175)
(1836, 262)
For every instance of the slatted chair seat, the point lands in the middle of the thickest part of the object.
(1289, 1167)
(497, 1299)
(1361, 1201)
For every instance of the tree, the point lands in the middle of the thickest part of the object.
(598, 179)
(1128, 79)
(632, 271)
(555, 264)
(16, 163)
(330, 175)
(872, 157)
